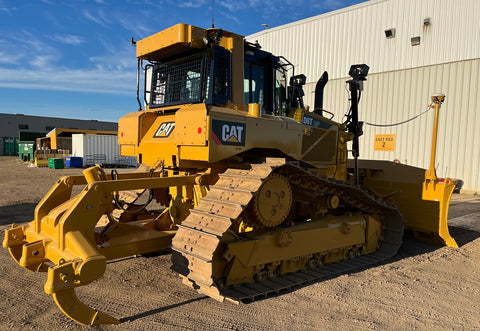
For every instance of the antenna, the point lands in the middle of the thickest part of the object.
(213, 5)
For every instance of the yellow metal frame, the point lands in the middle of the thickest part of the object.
(420, 196)
(63, 232)
(433, 188)
(168, 42)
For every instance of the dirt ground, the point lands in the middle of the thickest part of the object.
(424, 287)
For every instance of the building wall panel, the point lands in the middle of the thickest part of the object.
(396, 96)
(402, 77)
(355, 34)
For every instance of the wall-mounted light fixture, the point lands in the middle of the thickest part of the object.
(415, 41)
(265, 25)
(426, 21)
(390, 33)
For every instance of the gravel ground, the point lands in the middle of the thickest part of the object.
(425, 287)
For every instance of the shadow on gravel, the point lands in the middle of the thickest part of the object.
(463, 208)
(462, 235)
(463, 228)
(147, 255)
(411, 247)
(160, 310)
(20, 213)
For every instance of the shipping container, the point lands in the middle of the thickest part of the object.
(26, 150)
(10, 146)
(1, 146)
(99, 149)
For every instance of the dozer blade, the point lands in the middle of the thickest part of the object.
(62, 241)
(434, 190)
(425, 210)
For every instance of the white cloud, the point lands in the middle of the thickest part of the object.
(30, 58)
(25, 47)
(116, 57)
(63, 79)
(42, 61)
(5, 9)
(68, 39)
(28, 42)
(285, 7)
(99, 17)
(233, 6)
(114, 72)
(35, 65)
(110, 17)
(328, 5)
(192, 4)
(229, 16)
(257, 3)
(137, 28)
(6, 58)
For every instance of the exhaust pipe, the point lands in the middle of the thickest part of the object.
(318, 107)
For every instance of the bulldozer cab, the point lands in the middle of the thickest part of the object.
(202, 76)
(214, 73)
(265, 80)
(199, 87)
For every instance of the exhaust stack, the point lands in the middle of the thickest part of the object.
(318, 106)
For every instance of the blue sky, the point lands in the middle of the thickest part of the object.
(73, 58)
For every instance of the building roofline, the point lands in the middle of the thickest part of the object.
(60, 118)
(317, 17)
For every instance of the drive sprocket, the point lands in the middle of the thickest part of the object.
(272, 203)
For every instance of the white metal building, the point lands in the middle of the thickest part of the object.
(414, 49)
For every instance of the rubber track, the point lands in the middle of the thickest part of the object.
(200, 234)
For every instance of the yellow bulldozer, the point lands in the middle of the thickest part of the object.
(257, 191)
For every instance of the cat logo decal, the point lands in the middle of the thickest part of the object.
(228, 133)
(165, 129)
